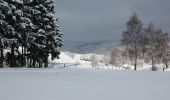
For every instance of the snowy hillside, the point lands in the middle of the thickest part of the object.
(80, 60)
(90, 46)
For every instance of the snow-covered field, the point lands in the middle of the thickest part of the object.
(83, 84)
(83, 61)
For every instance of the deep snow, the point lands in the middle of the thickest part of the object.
(83, 84)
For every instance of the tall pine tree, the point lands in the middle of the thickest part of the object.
(49, 37)
(31, 25)
(8, 34)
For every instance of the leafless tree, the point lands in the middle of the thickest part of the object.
(131, 38)
(157, 45)
(165, 49)
(106, 59)
(94, 61)
(116, 57)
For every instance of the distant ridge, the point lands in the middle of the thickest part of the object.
(98, 47)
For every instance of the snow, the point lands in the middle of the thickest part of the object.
(2, 16)
(83, 61)
(41, 31)
(168, 69)
(64, 59)
(19, 1)
(81, 84)
(19, 13)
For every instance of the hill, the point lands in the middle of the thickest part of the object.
(83, 47)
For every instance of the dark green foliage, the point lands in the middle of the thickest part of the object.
(32, 27)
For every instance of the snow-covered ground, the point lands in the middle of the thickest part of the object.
(83, 84)
(83, 61)
(67, 57)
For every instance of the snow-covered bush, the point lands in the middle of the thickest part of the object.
(94, 60)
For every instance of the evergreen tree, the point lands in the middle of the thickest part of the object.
(24, 27)
(56, 41)
(48, 37)
(29, 24)
(8, 34)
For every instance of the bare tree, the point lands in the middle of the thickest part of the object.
(151, 43)
(164, 49)
(115, 57)
(131, 38)
(157, 45)
(94, 61)
(106, 59)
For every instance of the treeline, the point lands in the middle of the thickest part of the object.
(148, 44)
(29, 29)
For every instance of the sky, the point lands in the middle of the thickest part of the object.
(91, 20)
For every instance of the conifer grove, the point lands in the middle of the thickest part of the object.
(29, 33)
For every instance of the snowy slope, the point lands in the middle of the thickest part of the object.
(69, 84)
(67, 57)
(83, 47)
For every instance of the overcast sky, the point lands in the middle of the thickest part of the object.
(106, 19)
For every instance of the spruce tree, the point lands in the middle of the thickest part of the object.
(8, 34)
(48, 39)
(32, 26)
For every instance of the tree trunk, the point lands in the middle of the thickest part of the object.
(136, 57)
(46, 61)
(1, 51)
(12, 64)
(40, 65)
(22, 56)
(2, 57)
(25, 56)
(46, 56)
(135, 66)
(135, 61)
(34, 62)
(30, 65)
(167, 65)
(152, 63)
